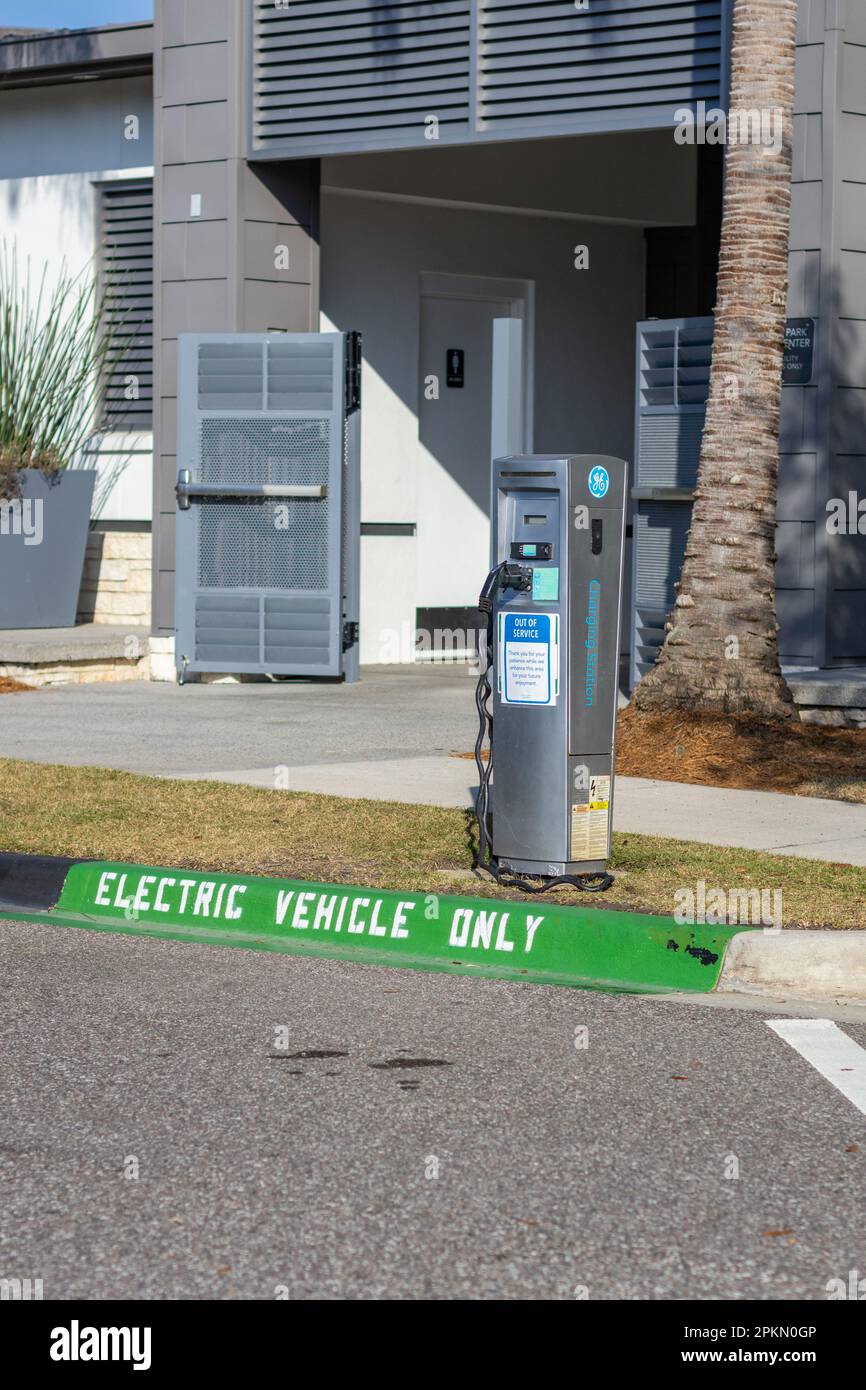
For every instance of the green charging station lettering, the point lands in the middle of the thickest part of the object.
(574, 946)
(300, 911)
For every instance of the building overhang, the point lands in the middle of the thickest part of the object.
(75, 55)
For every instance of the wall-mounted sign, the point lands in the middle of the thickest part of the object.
(799, 352)
(456, 367)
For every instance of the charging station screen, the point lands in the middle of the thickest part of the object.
(528, 658)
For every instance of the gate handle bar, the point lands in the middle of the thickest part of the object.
(186, 490)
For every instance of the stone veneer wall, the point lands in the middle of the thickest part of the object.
(116, 585)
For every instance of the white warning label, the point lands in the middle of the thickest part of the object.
(590, 822)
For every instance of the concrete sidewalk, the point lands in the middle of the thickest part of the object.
(806, 827)
(393, 736)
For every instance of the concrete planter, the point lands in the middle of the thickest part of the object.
(43, 536)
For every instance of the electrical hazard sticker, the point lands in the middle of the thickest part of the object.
(590, 823)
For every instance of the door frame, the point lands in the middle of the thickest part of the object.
(519, 294)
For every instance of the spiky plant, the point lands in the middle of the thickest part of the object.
(55, 348)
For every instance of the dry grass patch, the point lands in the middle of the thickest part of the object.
(97, 814)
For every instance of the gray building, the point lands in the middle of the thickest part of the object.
(417, 170)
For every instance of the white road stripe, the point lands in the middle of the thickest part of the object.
(830, 1051)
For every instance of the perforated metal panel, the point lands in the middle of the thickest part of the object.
(267, 526)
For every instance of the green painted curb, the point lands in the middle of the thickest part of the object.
(538, 941)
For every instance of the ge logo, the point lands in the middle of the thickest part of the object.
(599, 482)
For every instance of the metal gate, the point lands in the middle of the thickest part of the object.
(268, 520)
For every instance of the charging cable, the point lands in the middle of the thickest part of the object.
(507, 576)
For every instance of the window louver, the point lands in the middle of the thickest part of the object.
(127, 275)
(365, 74)
(360, 73)
(545, 59)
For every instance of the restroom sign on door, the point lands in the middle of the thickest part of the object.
(456, 367)
(528, 658)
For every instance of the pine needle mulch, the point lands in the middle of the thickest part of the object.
(734, 751)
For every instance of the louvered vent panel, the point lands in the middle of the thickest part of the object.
(660, 532)
(126, 235)
(359, 74)
(670, 447)
(300, 376)
(672, 388)
(230, 376)
(297, 630)
(227, 628)
(546, 60)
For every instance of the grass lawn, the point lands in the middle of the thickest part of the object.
(92, 813)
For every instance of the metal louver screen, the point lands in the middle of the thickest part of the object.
(359, 74)
(231, 376)
(672, 385)
(670, 448)
(660, 531)
(547, 59)
(126, 246)
(366, 74)
(267, 491)
(673, 376)
(300, 376)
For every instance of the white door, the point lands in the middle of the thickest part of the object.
(454, 465)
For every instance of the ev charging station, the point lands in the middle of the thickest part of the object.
(553, 603)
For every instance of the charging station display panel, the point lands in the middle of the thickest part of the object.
(528, 648)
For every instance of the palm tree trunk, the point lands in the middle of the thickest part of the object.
(721, 650)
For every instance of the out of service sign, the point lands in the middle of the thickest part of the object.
(528, 658)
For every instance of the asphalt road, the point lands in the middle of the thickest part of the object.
(406, 1136)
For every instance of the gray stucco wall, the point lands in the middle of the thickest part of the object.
(846, 613)
(802, 463)
(821, 578)
(218, 224)
(76, 128)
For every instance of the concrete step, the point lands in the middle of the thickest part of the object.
(70, 655)
(834, 696)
